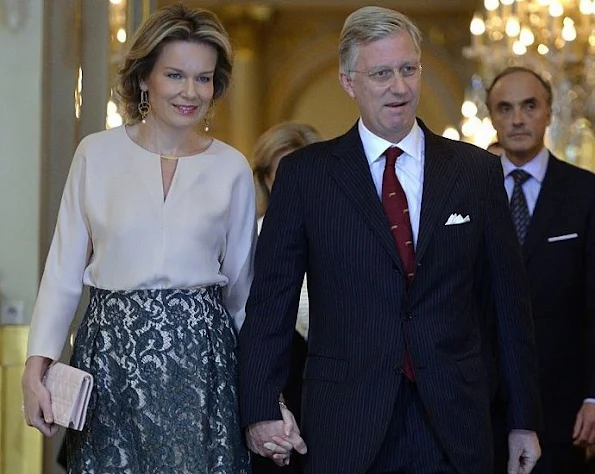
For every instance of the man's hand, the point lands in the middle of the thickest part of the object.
(524, 451)
(584, 427)
(275, 439)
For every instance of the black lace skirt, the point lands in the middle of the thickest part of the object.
(165, 394)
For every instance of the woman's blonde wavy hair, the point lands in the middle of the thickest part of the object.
(277, 141)
(172, 23)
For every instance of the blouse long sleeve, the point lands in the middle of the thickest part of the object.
(202, 234)
(62, 282)
(237, 263)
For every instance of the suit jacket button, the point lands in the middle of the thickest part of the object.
(398, 369)
(408, 316)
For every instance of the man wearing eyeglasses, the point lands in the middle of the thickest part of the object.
(406, 239)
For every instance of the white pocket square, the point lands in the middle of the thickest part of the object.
(457, 219)
(559, 238)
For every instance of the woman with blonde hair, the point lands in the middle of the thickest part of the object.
(158, 219)
(277, 142)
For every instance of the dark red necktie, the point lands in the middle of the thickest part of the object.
(396, 210)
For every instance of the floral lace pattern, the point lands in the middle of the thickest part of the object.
(165, 394)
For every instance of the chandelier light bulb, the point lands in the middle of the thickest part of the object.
(543, 49)
(115, 2)
(469, 109)
(491, 5)
(121, 35)
(556, 9)
(112, 108)
(451, 133)
(556, 38)
(568, 31)
(513, 27)
(467, 129)
(486, 133)
(477, 26)
(471, 126)
(527, 37)
(113, 121)
(519, 48)
(587, 7)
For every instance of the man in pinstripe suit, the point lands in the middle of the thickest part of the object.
(395, 381)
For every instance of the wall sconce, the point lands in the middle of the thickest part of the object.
(13, 13)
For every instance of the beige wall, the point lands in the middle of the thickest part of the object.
(331, 116)
(20, 156)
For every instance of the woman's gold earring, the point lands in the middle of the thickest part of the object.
(144, 108)
(209, 116)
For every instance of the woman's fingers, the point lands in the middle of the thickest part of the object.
(45, 403)
(283, 443)
(281, 459)
(37, 406)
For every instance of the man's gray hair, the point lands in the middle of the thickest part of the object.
(369, 24)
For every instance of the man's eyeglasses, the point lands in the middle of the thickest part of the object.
(383, 75)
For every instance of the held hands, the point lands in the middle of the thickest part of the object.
(276, 439)
(37, 405)
(524, 450)
(584, 427)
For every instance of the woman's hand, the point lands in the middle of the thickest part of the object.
(37, 405)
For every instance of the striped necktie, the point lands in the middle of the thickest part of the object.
(518, 204)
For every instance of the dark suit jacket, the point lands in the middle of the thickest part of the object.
(562, 282)
(326, 218)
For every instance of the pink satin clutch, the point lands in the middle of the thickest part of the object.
(70, 390)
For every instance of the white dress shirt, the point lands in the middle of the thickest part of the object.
(536, 168)
(409, 167)
(202, 234)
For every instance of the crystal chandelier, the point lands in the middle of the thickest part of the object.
(555, 38)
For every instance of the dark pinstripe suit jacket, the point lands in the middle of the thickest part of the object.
(325, 218)
(562, 281)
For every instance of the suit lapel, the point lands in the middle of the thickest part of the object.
(351, 171)
(550, 195)
(440, 172)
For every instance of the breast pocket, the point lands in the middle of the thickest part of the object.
(457, 236)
